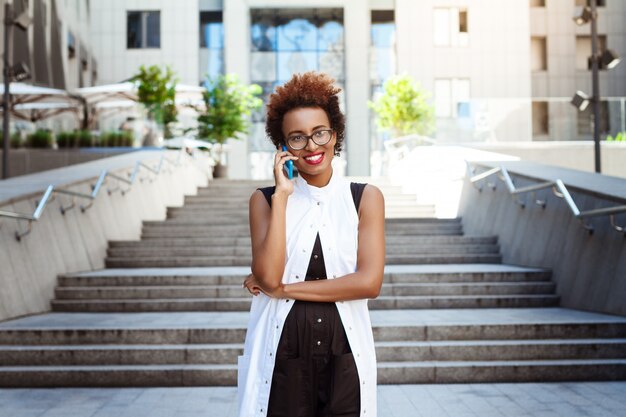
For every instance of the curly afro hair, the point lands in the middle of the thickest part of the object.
(310, 89)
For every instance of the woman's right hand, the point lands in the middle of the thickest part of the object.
(283, 183)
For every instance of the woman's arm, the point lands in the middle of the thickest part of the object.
(267, 234)
(368, 278)
(267, 229)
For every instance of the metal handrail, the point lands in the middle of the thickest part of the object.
(51, 190)
(558, 188)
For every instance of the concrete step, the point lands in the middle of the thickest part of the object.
(480, 350)
(501, 371)
(238, 197)
(389, 223)
(210, 328)
(201, 261)
(243, 303)
(391, 250)
(242, 230)
(229, 291)
(413, 211)
(468, 273)
(244, 242)
(388, 373)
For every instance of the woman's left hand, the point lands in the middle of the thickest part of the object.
(252, 285)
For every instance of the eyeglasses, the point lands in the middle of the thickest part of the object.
(320, 137)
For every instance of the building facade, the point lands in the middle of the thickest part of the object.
(57, 46)
(497, 71)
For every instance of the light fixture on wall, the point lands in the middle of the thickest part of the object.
(20, 71)
(605, 60)
(609, 59)
(582, 15)
(580, 100)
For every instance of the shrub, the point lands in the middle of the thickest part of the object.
(40, 139)
(85, 138)
(66, 139)
(620, 137)
(113, 138)
(16, 140)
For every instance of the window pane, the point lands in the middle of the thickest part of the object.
(330, 37)
(263, 37)
(441, 26)
(383, 35)
(332, 64)
(297, 35)
(463, 21)
(263, 66)
(216, 62)
(461, 97)
(442, 98)
(133, 30)
(153, 29)
(211, 30)
(538, 56)
(540, 118)
(290, 63)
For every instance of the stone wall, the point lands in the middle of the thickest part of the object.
(77, 241)
(589, 269)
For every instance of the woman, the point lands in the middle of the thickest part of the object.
(318, 254)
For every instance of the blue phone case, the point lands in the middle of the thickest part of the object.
(289, 165)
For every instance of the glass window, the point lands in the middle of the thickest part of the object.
(263, 37)
(540, 118)
(288, 41)
(583, 50)
(143, 29)
(211, 30)
(297, 35)
(538, 54)
(599, 3)
(211, 44)
(450, 27)
(585, 120)
(71, 45)
(452, 98)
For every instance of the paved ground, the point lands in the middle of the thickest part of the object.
(599, 399)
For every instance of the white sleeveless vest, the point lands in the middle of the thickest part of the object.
(330, 211)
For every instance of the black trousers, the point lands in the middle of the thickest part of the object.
(314, 374)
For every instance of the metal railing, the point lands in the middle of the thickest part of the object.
(51, 191)
(558, 188)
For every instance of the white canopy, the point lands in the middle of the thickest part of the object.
(122, 94)
(31, 102)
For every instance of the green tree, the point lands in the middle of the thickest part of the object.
(403, 107)
(156, 90)
(228, 106)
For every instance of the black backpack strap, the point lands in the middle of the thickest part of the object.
(268, 192)
(357, 192)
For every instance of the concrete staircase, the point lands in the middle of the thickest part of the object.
(169, 309)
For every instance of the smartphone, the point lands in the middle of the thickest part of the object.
(289, 165)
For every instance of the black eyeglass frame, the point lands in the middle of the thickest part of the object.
(310, 137)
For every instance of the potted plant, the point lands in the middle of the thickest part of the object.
(228, 105)
(156, 90)
(403, 108)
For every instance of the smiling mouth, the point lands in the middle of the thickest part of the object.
(314, 159)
